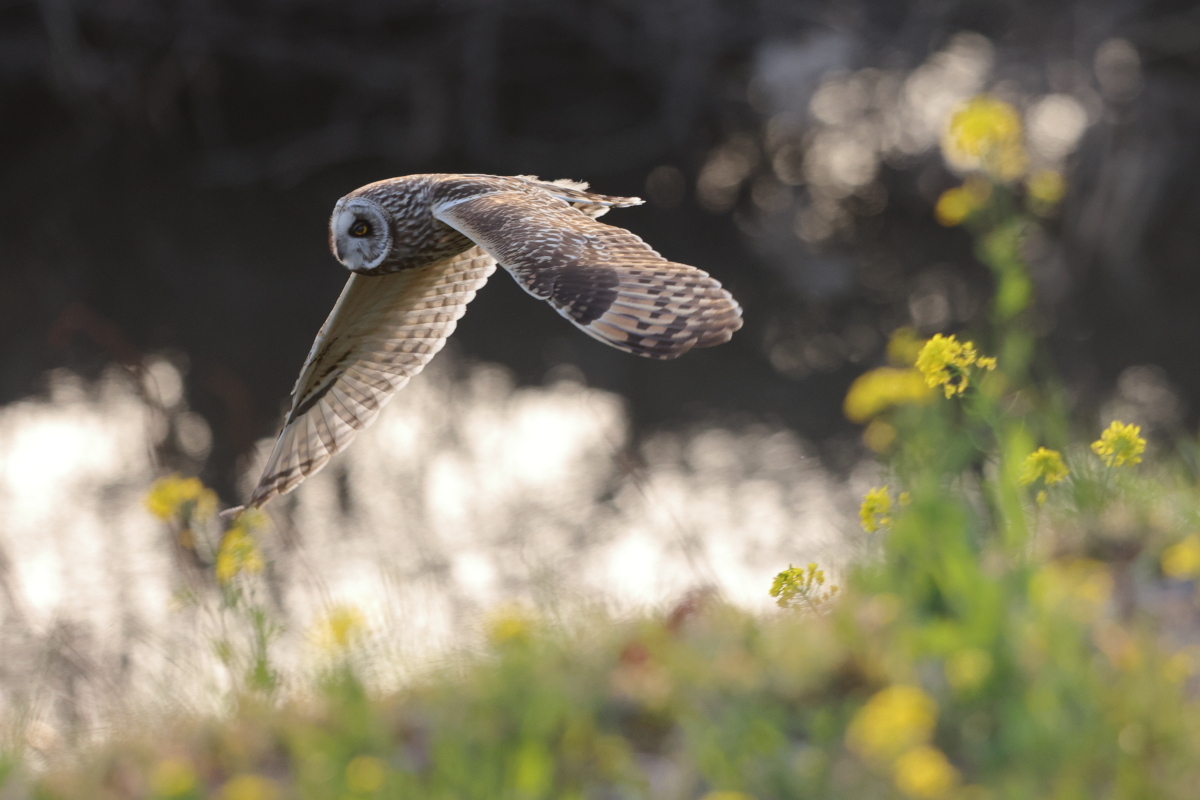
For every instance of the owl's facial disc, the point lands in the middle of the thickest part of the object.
(359, 234)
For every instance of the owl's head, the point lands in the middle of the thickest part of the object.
(359, 234)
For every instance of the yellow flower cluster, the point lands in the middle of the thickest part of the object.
(1043, 464)
(1120, 444)
(237, 554)
(876, 509)
(985, 137)
(795, 585)
(880, 389)
(986, 134)
(339, 629)
(176, 497)
(187, 501)
(945, 362)
(895, 726)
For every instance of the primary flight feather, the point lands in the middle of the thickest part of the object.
(422, 245)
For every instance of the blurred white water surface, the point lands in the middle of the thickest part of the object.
(468, 493)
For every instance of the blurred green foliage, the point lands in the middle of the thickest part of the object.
(1027, 631)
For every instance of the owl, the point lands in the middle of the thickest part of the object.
(418, 249)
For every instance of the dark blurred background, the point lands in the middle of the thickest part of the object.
(168, 169)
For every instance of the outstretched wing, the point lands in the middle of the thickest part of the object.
(382, 331)
(604, 279)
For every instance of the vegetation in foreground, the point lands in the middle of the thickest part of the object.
(1028, 629)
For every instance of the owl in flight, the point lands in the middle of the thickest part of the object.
(419, 248)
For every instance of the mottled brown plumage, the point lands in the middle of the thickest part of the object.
(421, 246)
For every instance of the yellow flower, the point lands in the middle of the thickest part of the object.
(956, 204)
(1046, 187)
(953, 206)
(1044, 464)
(787, 585)
(984, 124)
(339, 629)
(173, 777)
(1120, 444)
(1182, 560)
(878, 390)
(892, 721)
(176, 496)
(237, 554)
(250, 787)
(365, 774)
(925, 772)
(986, 134)
(875, 511)
(944, 362)
(794, 585)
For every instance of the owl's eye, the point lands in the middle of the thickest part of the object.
(360, 229)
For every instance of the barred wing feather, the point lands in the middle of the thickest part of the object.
(604, 279)
(382, 331)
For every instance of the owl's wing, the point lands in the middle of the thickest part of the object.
(382, 331)
(604, 279)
